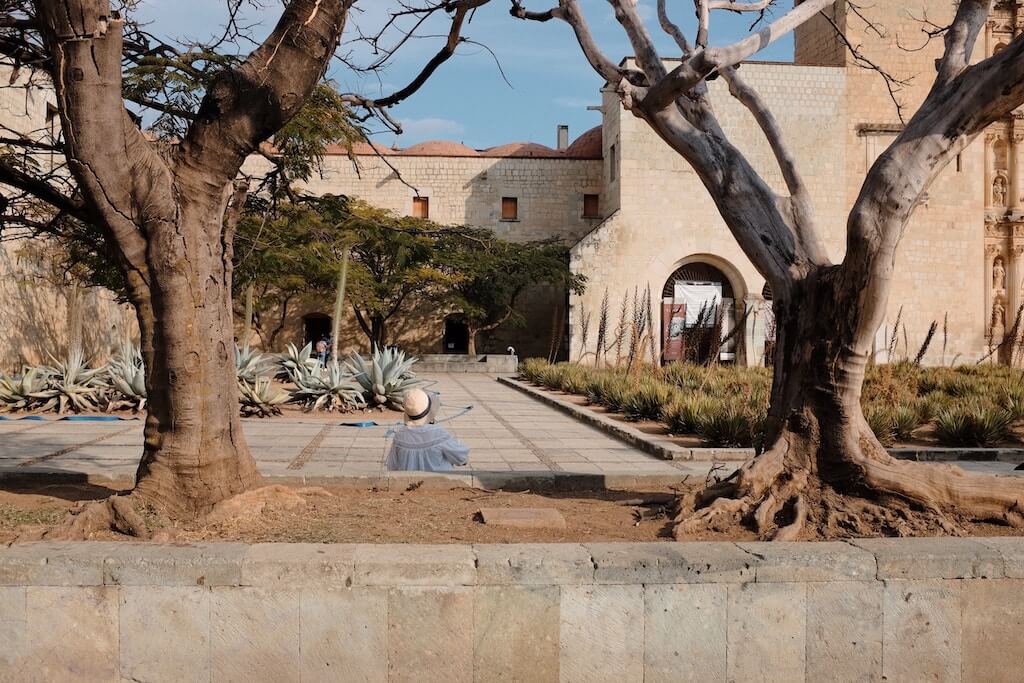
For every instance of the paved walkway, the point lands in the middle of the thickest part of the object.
(508, 433)
(511, 435)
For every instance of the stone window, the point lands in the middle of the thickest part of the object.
(421, 207)
(613, 161)
(509, 208)
(591, 206)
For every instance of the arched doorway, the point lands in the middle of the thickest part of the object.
(316, 326)
(698, 315)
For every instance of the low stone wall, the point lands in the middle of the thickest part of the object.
(494, 364)
(894, 610)
(666, 450)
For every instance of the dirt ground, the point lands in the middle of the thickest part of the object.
(418, 515)
(345, 515)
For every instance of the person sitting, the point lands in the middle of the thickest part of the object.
(421, 445)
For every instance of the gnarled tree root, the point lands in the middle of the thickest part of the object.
(782, 497)
(117, 514)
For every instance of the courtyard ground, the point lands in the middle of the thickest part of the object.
(606, 490)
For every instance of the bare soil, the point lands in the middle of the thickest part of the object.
(346, 515)
(418, 515)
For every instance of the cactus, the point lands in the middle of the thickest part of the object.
(384, 378)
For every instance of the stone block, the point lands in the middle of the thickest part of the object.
(298, 565)
(844, 631)
(933, 558)
(697, 562)
(254, 634)
(533, 564)
(602, 634)
(523, 518)
(165, 633)
(921, 630)
(806, 562)
(1011, 549)
(414, 565)
(430, 634)
(766, 632)
(138, 564)
(516, 633)
(993, 624)
(53, 564)
(71, 634)
(344, 634)
(685, 632)
(12, 629)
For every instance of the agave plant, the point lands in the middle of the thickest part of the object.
(250, 364)
(384, 378)
(127, 375)
(333, 389)
(72, 384)
(295, 362)
(261, 399)
(19, 393)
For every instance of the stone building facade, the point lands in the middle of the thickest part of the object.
(639, 221)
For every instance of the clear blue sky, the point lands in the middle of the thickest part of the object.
(549, 82)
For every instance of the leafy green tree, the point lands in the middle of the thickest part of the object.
(487, 276)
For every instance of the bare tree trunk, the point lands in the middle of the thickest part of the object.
(823, 467)
(471, 345)
(195, 453)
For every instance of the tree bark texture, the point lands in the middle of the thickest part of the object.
(163, 208)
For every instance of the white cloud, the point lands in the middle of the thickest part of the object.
(430, 128)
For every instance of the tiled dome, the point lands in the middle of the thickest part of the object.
(589, 145)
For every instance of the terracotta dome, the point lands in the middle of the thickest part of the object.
(360, 149)
(439, 148)
(589, 145)
(521, 149)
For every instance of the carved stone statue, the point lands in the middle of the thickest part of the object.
(998, 274)
(998, 315)
(999, 191)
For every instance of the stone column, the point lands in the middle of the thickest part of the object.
(991, 251)
(754, 329)
(990, 164)
(1016, 166)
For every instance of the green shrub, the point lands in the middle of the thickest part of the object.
(728, 424)
(973, 424)
(530, 369)
(684, 414)
(905, 420)
(880, 419)
(648, 401)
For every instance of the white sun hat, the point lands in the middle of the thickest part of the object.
(417, 406)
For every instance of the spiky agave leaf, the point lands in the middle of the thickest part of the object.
(295, 362)
(333, 389)
(72, 385)
(127, 374)
(385, 377)
(19, 393)
(250, 364)
(261, 399)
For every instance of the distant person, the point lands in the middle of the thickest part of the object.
(321, 351)
(422, 445)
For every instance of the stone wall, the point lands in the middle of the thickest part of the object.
(895, 610)
(666, 216)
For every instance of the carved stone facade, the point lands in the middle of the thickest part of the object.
(1004, 200)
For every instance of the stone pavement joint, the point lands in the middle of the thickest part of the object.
(309, 451)
(69, 449)
(539, 452)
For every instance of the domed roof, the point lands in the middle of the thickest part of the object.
(589, 145)
(439, 148)
(360, 149)
(521, 149)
